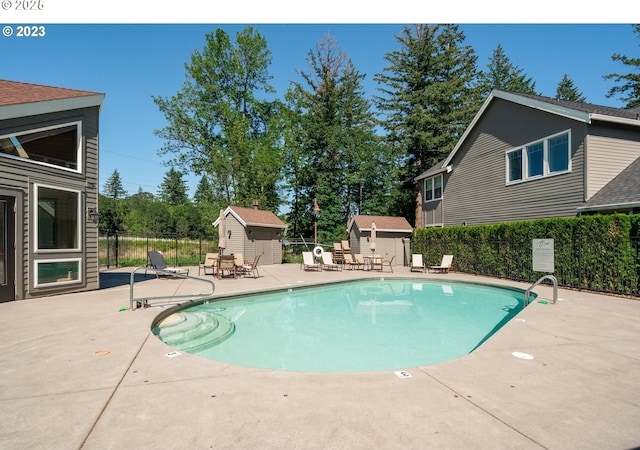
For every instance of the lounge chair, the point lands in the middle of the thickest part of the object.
(327, 262)
(227, 264)
(416, 263)
(349, 262)
(238, 259)
(309, 263)
(346, 248)
(210, 263)
(158, 263)
(388, 263)
(251, 268)
(338, 253)
(444, 266)
(359, 259)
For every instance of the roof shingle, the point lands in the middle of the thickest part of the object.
(16, 93)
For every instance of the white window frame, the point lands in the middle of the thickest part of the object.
(35, 218)
(36, 281)
(546, 172)
(433, 188)
(79, 162)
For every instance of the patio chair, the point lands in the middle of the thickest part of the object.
(227, 264)
(359, 259)
(350, 262)
(416, 263)
(251, 268)
(346, 248)
(444, 266)
(309, 263)
(158, 263)
(210, 263)
(388, 263)
(328, 263)
(238, 259)
(338, 253)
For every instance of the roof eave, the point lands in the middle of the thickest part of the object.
(613, 119)
(627, 205)
(50, 106)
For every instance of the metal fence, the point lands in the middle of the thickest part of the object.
(130, 250)
(608, 265)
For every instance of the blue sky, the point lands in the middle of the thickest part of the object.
(130, 63)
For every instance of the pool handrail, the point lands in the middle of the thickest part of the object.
(132, 300)
(553, 279)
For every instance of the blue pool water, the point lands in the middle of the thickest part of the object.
(345, 327)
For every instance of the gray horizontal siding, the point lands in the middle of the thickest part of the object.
(476, 191)
(609, 151)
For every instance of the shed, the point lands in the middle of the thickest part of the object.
(48, 190)
(393, 236)
(252, 231)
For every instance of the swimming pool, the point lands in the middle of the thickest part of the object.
(366, 325)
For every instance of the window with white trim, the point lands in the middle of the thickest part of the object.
(59, 146)
(57, 271)
(433, 188)
(57, 219)
(539, 159)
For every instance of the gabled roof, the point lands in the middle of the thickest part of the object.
(621, 192)
(383, 223)
(252, 217)
(19, 99)
(583, 112)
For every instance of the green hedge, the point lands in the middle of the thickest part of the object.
(599, 253)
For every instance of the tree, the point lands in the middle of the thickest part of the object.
(173, 189)
(330, 142)
(113, 187)
(219, 124)
(428, 97)
(504, 75)
(204, 192)
(566, 90)
(629, 90)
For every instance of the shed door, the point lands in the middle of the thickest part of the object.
(7, 250)
(263, 246)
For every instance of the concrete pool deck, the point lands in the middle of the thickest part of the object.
(78, 373)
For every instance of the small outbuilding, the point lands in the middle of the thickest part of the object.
(252, 232)
(392, 237)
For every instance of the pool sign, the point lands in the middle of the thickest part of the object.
(543, 260)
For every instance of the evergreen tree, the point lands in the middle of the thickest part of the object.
(566, 90)
(504, 75)
(113, 187)
(333, 143)
(204, 192)
(629, 90)
(173, 190)
(219, 123)
(428, 96)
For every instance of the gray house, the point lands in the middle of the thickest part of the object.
(48, 190)
(393, 237)
(252, 232)
(525, 157)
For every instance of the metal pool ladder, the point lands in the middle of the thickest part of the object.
(132, 300)
(545, 277)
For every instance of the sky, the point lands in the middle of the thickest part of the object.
(135, 56)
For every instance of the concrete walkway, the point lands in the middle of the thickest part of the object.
(78, 373)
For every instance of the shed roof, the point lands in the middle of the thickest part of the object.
(383, 223)
(621, 192)
(18, 99)
(253, 217)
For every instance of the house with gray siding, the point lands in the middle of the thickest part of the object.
(526, 157)
(48, 190)
(253, 232)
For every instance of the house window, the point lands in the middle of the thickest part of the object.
(58, 146)
(57, 218)
(433, 188)
(544, 158)
(57, 271)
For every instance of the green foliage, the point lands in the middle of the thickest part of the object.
(173, 189)
(113, 187)
(567, 90)
(599, 253)
(502, 74)
(630, 87)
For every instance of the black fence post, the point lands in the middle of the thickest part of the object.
(579, 261)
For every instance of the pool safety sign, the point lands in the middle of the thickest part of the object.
(543, 259)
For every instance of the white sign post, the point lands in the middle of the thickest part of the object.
(543, 259)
